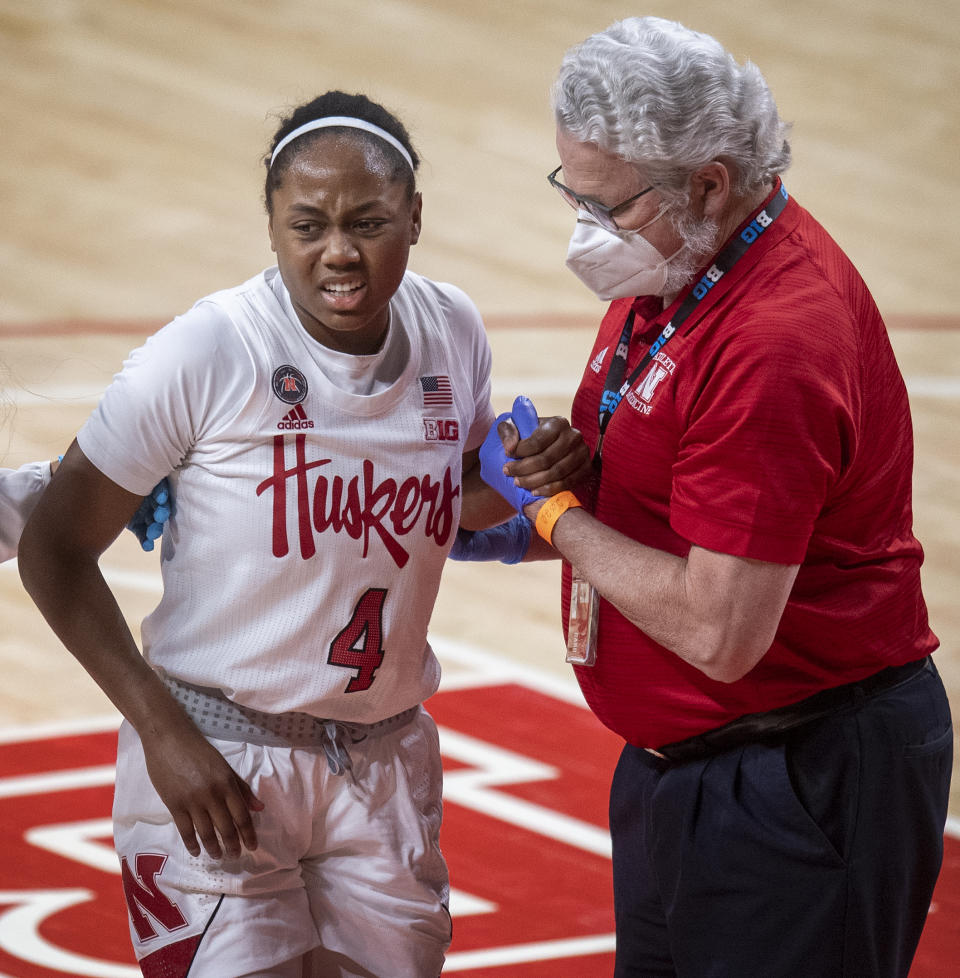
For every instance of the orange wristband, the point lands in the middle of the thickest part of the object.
(552, 510)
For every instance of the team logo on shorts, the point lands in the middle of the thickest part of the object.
(289, 384)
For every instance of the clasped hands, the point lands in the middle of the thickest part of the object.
(526, 460)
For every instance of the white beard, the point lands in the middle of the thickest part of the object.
(699, 243)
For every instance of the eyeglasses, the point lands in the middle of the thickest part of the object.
(602, 214)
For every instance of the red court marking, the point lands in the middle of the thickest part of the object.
(81, 327)
(544, 890)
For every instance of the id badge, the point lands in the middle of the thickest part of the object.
(582, 625)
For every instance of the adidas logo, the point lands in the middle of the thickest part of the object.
(295, 419)
(598, 360)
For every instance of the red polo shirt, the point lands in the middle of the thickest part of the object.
(773, 425)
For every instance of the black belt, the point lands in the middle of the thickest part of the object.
(756, 727)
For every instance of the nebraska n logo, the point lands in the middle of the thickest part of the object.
(650, 382)
(144, 896)
(289, 384)
(641, 396)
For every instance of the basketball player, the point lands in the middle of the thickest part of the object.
(278, 782)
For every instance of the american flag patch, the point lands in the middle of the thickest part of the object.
(437, 391)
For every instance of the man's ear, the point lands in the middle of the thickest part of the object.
(710, 189)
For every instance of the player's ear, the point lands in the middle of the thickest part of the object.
(416, 215)
(273, 246)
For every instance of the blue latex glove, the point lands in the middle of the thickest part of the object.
(147, 522)
(508, 542)
(493, 457)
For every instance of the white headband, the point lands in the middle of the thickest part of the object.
(349, 122)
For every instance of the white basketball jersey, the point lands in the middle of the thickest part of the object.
(302, 562)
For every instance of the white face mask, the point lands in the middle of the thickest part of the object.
(616, 265)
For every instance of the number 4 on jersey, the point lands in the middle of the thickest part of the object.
(359, 645)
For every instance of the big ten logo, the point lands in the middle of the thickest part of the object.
(610, 400)
(709, 280)
(756, 227)
(441, 429)
(749, 234)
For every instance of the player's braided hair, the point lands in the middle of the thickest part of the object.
(337, 103)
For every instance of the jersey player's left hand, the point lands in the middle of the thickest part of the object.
(208, 800)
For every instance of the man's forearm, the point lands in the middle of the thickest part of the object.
(715, 611)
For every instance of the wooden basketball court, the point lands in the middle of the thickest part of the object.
(131, 185)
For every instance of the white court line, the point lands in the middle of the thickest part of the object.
(490, 767)
(145, 581)
(57, 395)
(59, 728)
(505, 388)
(524, 953)
(942, 387)
(54, 781)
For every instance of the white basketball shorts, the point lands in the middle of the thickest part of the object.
(348, 862)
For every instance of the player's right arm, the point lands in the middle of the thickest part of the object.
(76, 519)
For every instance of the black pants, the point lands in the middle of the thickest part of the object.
(813, 857)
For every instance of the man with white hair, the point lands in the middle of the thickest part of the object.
(741, 583)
